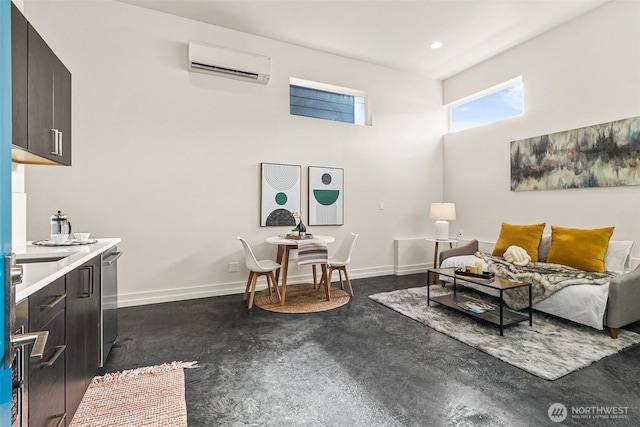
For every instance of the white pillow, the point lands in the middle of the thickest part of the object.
(618, 256)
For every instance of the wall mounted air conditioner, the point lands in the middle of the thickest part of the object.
(229, 63)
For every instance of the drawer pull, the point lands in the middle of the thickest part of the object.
(59, 350)
(62, 418)
(54, 302)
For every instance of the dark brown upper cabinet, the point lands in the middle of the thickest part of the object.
(41, 98)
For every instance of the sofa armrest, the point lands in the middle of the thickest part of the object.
(623, 306)
(469, 248)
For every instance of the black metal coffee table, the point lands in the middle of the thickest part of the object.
(503, 318)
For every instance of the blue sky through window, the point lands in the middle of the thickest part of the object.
(498, 105)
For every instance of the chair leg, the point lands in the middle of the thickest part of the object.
(271, 277)
(329, 276)
(268, 281)
(246, 291)
(348, 281)
(253, 289)
(340, 275)
(279, 257)
(320, 283)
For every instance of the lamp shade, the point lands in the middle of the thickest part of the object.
(442, 211)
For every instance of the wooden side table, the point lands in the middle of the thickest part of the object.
(435, 253)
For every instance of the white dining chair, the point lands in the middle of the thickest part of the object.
(340, 260)
(257, 268)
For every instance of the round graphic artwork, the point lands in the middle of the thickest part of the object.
(280, 217)
(281, 198)
(326, 197)
(281, 177)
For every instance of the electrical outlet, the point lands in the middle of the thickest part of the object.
(234, 267)
(381, 206)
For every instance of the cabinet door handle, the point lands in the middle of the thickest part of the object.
(54, 134)
(62, 418)
(91, 280)
(59, 350)
(54, 302)
(57, 142)
(60, 144)
(89, 283)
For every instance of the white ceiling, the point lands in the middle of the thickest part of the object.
(392, 33)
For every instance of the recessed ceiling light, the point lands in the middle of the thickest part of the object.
(436, 45)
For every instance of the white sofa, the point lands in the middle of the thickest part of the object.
(614, 304)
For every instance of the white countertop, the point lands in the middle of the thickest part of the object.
(38, 275)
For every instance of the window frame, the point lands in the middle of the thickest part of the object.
(484, 93)
(340, 90)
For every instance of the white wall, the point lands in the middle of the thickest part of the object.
(170, 160)
(583, 73)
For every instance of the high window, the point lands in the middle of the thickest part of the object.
(328, 102)
(497, 103)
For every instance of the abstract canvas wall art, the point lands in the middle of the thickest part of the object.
(280, 194)
(604, 155)
(326, 196)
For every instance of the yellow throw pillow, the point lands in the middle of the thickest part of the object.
(578, 248)
(526, 236)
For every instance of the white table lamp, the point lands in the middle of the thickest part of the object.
(442, 212)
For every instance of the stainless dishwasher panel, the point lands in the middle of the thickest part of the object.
(109, 301)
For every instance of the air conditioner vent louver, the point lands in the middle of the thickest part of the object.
(207, 67)
(229, 63)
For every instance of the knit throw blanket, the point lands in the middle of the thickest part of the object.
(545, 279)
(312, 251)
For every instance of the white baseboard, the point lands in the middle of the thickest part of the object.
(218, 289)
(230, 288)
(404, 270)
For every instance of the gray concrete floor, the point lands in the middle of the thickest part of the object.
(359, 365)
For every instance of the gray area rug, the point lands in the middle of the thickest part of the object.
(550, 349)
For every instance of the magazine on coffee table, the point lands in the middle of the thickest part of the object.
(475, 306)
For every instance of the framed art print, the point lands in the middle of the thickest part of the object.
(280, 194)
(602, 155)
(326, 196)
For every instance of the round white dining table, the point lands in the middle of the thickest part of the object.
(284, 247)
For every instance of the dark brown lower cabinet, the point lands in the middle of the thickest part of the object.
(83, 331)
(47, 376)
(69, 308)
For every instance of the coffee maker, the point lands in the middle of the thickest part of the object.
(60, 224)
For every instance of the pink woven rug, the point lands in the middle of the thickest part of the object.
(143, 397)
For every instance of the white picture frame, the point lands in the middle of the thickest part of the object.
(326, 196)
(280, 192)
